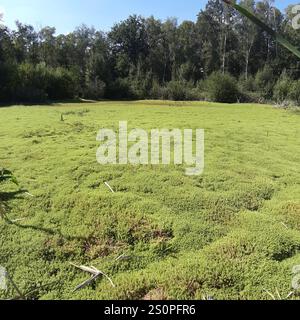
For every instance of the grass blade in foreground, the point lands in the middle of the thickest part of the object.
(265, 27)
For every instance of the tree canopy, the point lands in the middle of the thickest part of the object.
(145, 57)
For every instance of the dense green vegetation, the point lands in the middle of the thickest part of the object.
(232, 232)
(147, 58)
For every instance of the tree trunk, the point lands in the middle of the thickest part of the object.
(224, 53)
(247, 65)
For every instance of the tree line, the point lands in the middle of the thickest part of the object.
(220, 57)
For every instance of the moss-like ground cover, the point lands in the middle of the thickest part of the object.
(231, 233)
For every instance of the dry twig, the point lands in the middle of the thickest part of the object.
(109, 187)
(95, 274)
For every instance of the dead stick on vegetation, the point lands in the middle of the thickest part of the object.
(284, 225)
(270, 294)
(95, 274)
(123, 257)
(18, 220)
(290, 294)
(278, 294)
(120, 257)
(29, 194)
(109, 187)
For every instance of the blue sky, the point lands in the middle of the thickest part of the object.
(65, 15)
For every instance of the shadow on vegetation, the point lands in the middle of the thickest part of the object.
(44, 230)
(84, 101)
(46, 103)
(5, 197)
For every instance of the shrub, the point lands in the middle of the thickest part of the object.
(222, 88)
(180, 91)
(157, 91)
(295, 92)
(282, 89)
(247, 85)
(177, 90)
(8, 76)
(194, 94)
(31, 83)
(38, 83)
(61, 84)
(95, 89)
(140, 88)
(120, 89)
(264, 82)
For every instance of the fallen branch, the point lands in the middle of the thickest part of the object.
(29, 194)
(18, 220)
(95, 274)
(123, 257)
(284, 225)
(109, 187)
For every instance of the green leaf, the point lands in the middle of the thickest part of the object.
(265, 27)
(14, 180)
(6, 175)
